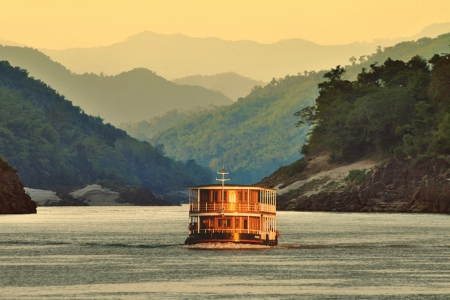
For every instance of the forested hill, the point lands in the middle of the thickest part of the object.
(54, 144)
(256, 135)
(134, 95)
(395, 109)
(252, 137)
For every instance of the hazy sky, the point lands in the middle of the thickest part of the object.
(58, 24)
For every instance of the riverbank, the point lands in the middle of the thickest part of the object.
(408, 186)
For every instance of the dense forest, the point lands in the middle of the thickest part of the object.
(395, 109)
(55, 145)
(256, 135)
(145, 130)
(131, 96)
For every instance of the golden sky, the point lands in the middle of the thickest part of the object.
(59, 24)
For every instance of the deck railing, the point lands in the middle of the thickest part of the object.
(271, 233)
(228, 230)
(232, 207)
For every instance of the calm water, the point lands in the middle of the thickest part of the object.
(138, 253)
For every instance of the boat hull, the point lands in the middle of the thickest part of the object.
(240, 238)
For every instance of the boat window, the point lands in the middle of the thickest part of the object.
(232, 196)
(215, 196)
(224, 222)
(204, 196)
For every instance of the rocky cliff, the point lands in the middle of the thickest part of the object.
(396, 186)
(13, 199)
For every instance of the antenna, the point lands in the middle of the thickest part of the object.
(223, 179)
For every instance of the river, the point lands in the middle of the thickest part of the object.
(138, 253)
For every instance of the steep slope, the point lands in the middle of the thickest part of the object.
(256, 135)
(134, 95)
(55, 145)
(232, 85)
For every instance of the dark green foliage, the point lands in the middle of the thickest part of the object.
(394, 109)
(54, 144)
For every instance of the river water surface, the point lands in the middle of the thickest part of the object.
(138, 253)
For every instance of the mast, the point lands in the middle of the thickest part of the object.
(223, 179)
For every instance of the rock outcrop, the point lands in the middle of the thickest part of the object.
(397, 186)
(13, 199)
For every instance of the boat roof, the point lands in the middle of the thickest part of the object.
(229, 186)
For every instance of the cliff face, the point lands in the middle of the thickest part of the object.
(397, 186)
(13, 199)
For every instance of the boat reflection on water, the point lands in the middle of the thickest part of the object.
(220, 213)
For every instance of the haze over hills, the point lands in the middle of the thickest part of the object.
(230, 84)
(256, 135)
(55, 145)
(176, 56)
(134, 95)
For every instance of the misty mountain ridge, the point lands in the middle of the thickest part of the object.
(134, 95)
(232, 85)
(177, 55)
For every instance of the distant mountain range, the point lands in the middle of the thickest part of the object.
(176, 56)
(230, 84)
(134, 95)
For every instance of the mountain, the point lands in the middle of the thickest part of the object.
(432, 31)
(252, 137)
(10, 43)
(55, 145)
(134, 95)
(256, 135)
(230, 84)
(177, 56)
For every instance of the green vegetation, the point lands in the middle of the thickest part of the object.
(145, 130)
(358, 176)
(396, 109)
(54, 144)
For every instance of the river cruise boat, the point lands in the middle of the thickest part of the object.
(220, 213)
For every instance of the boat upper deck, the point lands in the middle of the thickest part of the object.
(232, 198)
